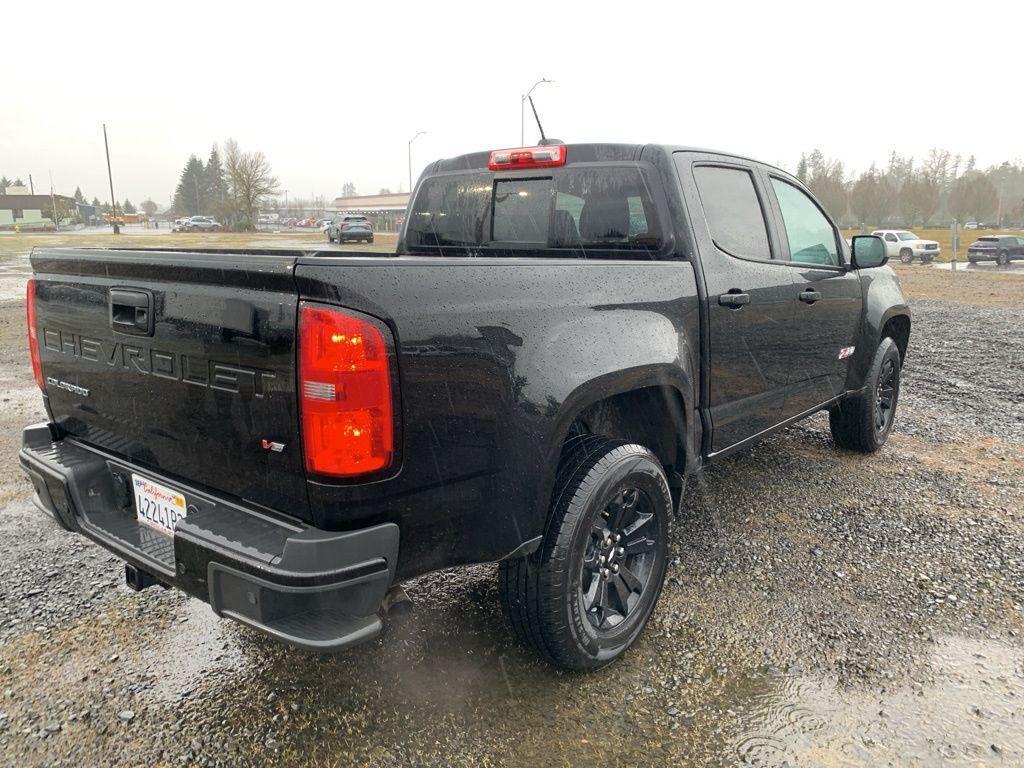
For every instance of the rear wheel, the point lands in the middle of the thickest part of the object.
(582, 599)
(1003, 258)
(906, 256)
(863, 423)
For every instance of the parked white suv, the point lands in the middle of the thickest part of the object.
(899, 243)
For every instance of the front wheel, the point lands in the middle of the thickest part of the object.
(1003, 258)
(582, 599)
(906, 256)
(863, 423)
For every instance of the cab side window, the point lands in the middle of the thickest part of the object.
(733, 211)
(890, 237)
(812, 239)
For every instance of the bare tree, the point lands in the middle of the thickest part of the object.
(973, 196)
(872, 198)
(149, 208)
(58, 211)
(918, 198)
(250, 180)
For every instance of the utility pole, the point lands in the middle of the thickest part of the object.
(522, 109)
(53, 204)
(31, 186)
(110, 177)
(418, 134)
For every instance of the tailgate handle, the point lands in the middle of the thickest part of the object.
(131, 311)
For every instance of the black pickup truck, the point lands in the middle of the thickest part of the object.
(564, 335)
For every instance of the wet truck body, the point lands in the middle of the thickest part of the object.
(289, 435)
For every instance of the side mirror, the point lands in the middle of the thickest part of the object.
(868, 251)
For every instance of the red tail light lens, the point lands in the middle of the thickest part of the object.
(33, 334)
(345, 386)
(527, 157)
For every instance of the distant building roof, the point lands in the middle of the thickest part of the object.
(32, 202)
(360, 203)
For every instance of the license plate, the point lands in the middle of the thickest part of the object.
(157, 505)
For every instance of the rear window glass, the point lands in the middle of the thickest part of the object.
(597, 207)
(988, 239)
(522, 209)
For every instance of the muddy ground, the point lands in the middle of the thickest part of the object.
(822, 608)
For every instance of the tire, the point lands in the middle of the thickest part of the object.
(562, 601)
(330, 238)
(1003, 259)
(863, 423)
(907, 256)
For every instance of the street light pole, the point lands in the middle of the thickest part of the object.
(418, 134)
(522, 109)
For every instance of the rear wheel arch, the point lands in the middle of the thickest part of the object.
(653, 416)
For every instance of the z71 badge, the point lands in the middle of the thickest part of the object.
(846, 352)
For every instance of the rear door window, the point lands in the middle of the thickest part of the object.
(733, 211)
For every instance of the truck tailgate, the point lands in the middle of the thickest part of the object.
(183, 362)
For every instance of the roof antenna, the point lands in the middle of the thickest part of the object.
(544, 140)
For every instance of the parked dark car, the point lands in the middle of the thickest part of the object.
(350, 229)
(565, 335)
(1001, 249)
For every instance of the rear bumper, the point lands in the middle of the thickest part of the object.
(355, 235)
(315, 589)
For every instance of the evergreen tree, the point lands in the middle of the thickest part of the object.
(217, 186)
(18, 182)
(95, 202)
(4, 184)
(79, 197)
(191, 195)
(128, 207)
(801, 168)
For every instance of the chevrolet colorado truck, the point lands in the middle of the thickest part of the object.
(563, 336)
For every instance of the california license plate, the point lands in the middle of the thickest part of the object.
(157, 505)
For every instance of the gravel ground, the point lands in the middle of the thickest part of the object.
(821, 608)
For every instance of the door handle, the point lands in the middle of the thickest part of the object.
(131, 311)
(734, 299)
(809, 297)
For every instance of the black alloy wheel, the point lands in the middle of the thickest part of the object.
(885, 396)
(583, 598)
(619, 559)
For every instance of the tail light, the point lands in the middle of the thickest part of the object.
(527, 157)
(33, 334)
(345, 386)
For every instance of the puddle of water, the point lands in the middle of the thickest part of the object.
(962, 265)
(971, 714)
(195, 647)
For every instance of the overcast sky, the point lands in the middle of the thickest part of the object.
(332, 92)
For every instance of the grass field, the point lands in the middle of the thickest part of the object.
(945, 238)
